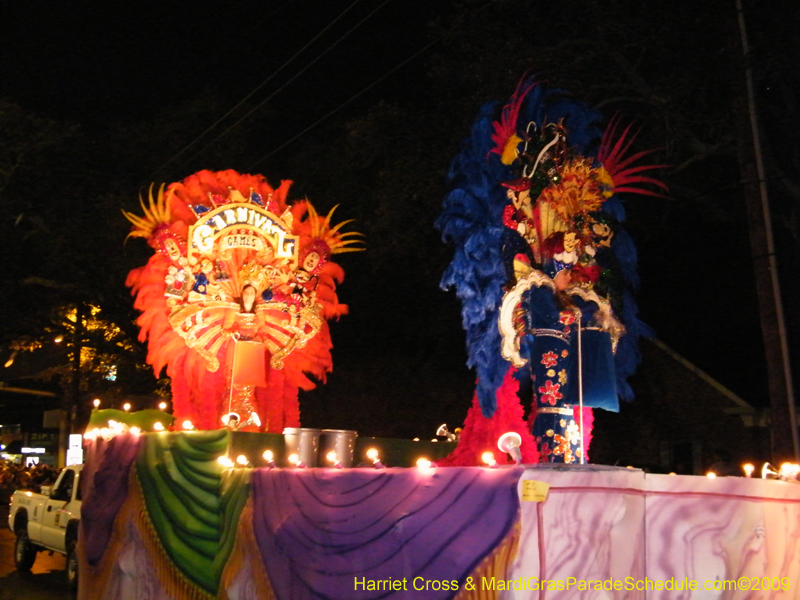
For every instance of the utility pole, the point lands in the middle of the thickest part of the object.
(785, 444)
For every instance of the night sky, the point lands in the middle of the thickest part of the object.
(110, 66)
(95, 62)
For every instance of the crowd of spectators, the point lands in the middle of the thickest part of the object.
(14, 476)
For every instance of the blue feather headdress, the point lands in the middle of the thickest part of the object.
(526, 149)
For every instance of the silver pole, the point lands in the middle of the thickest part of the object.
(580, 388)
(233, 372)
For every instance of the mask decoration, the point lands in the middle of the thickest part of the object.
(544, 270)
(601, 234)
(237, 321)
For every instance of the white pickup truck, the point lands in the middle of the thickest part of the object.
(48, 521)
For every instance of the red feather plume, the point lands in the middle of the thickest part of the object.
(612, 153)
(506, 128)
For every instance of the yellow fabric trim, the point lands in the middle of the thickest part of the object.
(496, 564)
(174, 583)
(246, 556)
(93, 580)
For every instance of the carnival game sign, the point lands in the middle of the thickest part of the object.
(243, 226)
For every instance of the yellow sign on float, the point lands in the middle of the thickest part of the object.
(534, 491)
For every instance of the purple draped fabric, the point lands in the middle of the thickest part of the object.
(105, 488)
(320, 531)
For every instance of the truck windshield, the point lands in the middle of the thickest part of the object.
(64, 489)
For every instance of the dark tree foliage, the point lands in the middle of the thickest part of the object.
(676, 69)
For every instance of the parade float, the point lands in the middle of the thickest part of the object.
(223, 500)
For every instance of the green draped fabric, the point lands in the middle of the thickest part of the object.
(192, 501)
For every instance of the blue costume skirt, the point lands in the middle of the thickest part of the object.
(598, 374)
(556, 433)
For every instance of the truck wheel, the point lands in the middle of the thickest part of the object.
(71, 570)
(24, 551)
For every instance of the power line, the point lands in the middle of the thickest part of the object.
(252, 28)
(341, 106)
(352, 98)
(276, 92)
(257, 88)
